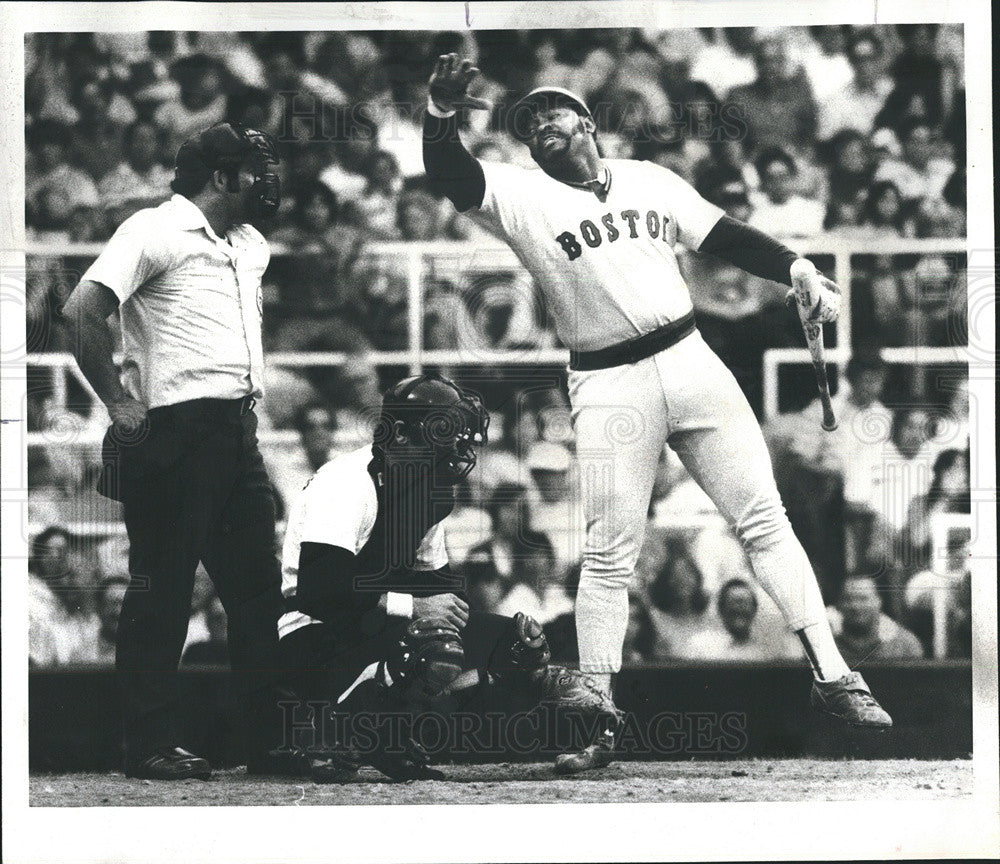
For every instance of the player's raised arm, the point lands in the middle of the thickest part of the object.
(451, 169)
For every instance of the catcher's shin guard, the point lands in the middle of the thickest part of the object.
(378, 734)
(379, 710)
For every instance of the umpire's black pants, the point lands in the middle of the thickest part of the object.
(194, 489)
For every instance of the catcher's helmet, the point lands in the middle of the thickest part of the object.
(543, 98)
(437, 415)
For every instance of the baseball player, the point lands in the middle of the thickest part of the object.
(375, 619)
(600, 237)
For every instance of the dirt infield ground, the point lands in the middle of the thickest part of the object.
(749, 780)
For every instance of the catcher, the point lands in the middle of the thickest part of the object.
(376, 624)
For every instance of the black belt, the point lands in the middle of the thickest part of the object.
(633, 350)
(222, 408)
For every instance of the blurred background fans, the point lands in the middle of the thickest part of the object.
(848, 140)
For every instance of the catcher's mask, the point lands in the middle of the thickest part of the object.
(434, 415)
(229, 146)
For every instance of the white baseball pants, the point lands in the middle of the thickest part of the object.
(622, 416)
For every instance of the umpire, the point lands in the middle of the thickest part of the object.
(181, 453)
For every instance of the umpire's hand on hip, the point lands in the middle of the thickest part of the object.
(127, 414)
(448, 606)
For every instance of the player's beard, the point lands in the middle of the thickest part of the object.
(547, 152)
(555, 143)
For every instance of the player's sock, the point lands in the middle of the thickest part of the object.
(601, 622)
(824, 656)
(783, 570)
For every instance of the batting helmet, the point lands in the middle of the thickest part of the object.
(435, 413)
(543, 98)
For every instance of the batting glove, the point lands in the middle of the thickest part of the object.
(828, 295)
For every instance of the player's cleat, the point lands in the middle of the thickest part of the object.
(574, 692)
(596, 755)
(850, 700)
(170, 763)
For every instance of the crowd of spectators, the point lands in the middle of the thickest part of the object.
(864, 500)
(842, 129)
(834, 131)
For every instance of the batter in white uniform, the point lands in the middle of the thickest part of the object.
(600, 237)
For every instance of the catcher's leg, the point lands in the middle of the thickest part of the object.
(314, 670)
(515, 658)
(414, 675)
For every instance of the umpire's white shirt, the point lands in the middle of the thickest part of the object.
(338, 506)
(191, 304)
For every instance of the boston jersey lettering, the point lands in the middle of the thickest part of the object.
(607, 266)
(593, 238)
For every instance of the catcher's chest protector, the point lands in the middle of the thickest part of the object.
(407, 509)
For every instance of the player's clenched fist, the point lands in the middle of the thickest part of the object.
(450, 82)
(453, 609)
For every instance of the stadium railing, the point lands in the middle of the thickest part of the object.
(464, 259)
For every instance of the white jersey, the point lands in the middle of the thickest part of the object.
(608, 269)
(338, 506)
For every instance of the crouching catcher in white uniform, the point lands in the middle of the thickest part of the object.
(376, 622)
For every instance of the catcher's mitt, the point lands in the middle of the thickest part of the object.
(429, 658)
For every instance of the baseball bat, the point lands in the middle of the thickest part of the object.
(802, 272)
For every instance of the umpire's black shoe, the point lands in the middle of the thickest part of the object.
(170, 763)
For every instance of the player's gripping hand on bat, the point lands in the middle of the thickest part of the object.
(824, 294)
